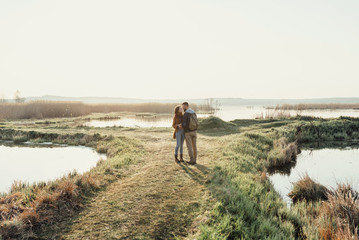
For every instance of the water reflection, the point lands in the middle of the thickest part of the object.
(137, 121)
(42, 162)
(327, 166)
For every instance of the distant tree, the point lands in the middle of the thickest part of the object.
(18, 98)
(212, 105)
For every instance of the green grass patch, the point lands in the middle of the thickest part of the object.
(247, 207)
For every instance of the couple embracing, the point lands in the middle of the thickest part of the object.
(185, 124)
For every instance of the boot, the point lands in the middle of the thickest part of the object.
(176, 159)
(192, 161)
(181, 158)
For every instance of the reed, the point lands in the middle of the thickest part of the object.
(339, 217)
(316, 106)
(276, 113)
(59, 109)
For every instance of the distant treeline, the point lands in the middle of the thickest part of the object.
(309, 106)
(57, 109)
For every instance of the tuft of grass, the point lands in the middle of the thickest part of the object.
(339, 217)
(68, 190)
(29, 217)
(283, 153)
(20, 139)
(309, 190)
(13, 229)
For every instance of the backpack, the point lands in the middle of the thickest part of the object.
(193, 122)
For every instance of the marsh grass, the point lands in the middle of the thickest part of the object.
(329, 214)
(339, 129)
(339, 216)
(276, 113)
(308, 190)
(316, 106)
(59, 109)
(283, 153)
(28, 207)
(247, 206)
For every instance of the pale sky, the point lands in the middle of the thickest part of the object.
(180, 49)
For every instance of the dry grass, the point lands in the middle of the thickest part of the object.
(307, 189)
(42, 109)
(17, 219)
(13, 229)
(29, 216)
(274, 114)
(308, 106)
(59, 109)
(282, 153)
(340, 214)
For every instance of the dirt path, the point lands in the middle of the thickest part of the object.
(158, 199)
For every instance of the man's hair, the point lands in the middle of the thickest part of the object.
(186, 104)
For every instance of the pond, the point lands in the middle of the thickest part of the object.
(42, 162)
(327, 166)
(227, 113)
(137, 121)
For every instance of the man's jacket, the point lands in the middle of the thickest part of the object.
(186, 118)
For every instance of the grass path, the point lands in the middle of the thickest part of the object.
(156, 199)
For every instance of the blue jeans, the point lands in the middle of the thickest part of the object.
(179, 140)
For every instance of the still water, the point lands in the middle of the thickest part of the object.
(42, 162)
(137, 121)
(227, 113)
(327, 166)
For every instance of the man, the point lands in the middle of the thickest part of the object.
(190, 132)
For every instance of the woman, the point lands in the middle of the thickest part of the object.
(178, 133)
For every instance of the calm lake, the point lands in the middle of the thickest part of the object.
(229, 113)
(226, 113)
(327, 166)
(137, 121)
(42, 162)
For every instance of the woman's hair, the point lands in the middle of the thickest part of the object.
(177, 108)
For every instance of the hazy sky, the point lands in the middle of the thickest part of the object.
(180, 49)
